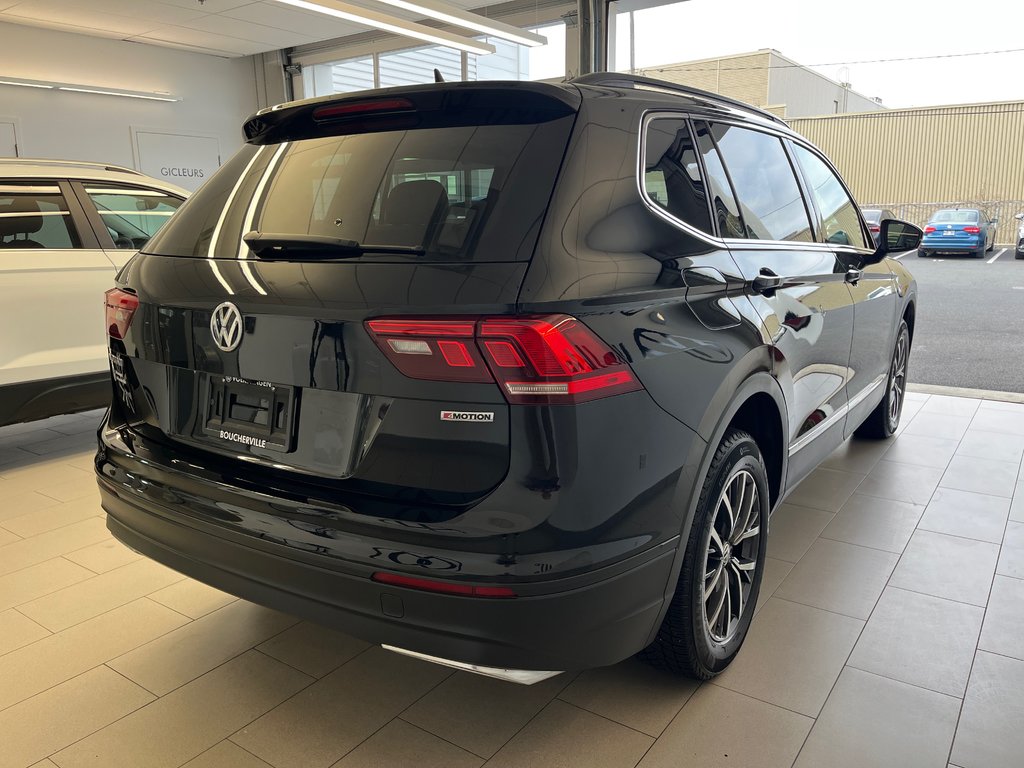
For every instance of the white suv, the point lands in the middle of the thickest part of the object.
(66, 228)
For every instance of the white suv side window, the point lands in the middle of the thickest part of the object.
(35, 216)
(132, 216)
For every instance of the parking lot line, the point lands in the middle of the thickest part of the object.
(996, 256)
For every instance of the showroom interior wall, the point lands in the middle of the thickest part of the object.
(216, 94)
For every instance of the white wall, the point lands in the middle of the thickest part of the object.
(807, 93)
(217, 94)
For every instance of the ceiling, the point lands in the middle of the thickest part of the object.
(218, 27)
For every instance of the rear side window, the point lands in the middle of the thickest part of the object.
(461, 193)
(35, 216)
(840, 224)
(723, 199)
(132, 216)
(672, 177)
(766, 187)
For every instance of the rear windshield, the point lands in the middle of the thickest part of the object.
(956, 217)
(464, 193)
(872, 216)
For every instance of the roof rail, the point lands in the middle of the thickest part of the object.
(621, 80)
(73, 163)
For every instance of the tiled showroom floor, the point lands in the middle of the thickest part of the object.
(890, 633)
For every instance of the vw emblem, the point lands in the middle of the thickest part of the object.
(226, 327)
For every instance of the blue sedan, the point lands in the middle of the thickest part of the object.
(959, 230)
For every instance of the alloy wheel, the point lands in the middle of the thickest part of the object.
(898, 380)
(731, 561)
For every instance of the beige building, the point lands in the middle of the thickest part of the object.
(769, 80)
(915, 161)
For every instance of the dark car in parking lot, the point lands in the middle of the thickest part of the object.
(1020, 236)
(959, 231)
(874, 218)
(503, 375)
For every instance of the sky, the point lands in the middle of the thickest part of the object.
(836, 35)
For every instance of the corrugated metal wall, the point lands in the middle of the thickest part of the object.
(923, 159)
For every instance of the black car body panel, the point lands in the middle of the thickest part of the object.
(578, 510)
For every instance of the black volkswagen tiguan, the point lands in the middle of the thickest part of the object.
(504, 375)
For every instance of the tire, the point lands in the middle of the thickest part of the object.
(979, 254)
(882, 422)
(689, 641)
(921, 252)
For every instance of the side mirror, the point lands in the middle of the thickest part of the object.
(896, 237)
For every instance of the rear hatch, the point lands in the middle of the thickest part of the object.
(954, 229)
(313, 311)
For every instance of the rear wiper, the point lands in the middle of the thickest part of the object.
(286, 246)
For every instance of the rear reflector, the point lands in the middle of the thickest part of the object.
(121, 307)
(534, 359)
(443, 587)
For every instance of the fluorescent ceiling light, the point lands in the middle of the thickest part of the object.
(79, 88)
(442, 11)
(393, 24)
(25, 84)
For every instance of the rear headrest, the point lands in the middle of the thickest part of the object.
(28, 220)
(415, 202)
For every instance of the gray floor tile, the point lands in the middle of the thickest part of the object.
(1003, 632)
(17, 630)
(185, 723)
(480, 714)
(719, 728)
(793, 529)
(901, 482)
(873, 522)
(313, 649)
(873, 721)
(631, 693)
(564, 736)
(775, 571)
(947, 566)
(856, 455)
(826, 489)
(323, 723)
(938, 425)
(921, 451)
(226, 754)
(839, 577)
(792, 656)
(990, 734)
(1008, 422)
(996, 446)
(944, 405)
(1011, 556)
(919, 639)
(1017, 505)
(966, 473)
(400, 744)
(1001, 405)
(964, 513)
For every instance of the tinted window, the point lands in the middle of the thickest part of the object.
(35, 216)
(723, 201)
(958, 216)
(474, 192)
(872, 216)
(672, 174)
(132, 216)
(769, 196)
(840, 223)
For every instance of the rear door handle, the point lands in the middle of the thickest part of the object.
(766, 281)
(853, 276)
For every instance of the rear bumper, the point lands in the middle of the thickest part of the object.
(557, 624)
(940, 245)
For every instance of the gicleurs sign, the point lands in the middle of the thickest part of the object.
(177, 158)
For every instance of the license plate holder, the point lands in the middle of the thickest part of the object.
(949, 233)
(253, 414)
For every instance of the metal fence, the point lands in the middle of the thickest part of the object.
(1004, 210)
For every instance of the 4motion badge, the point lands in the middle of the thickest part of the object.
(467, 416)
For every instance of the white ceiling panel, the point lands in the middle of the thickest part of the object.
(315, 25)
(219, 27)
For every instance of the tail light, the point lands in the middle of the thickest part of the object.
(929, 229)
(972, 230)
(121, 307)
(535, 360)
(874, 228)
